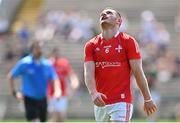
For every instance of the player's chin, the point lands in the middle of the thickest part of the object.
(105, 24)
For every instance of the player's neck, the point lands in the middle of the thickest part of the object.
(109, 33)
(55, 57)
(37, 60)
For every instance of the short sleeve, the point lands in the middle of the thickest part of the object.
(89, 52)
(17, 70)
(133, 51)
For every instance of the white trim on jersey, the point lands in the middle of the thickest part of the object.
(117, 33)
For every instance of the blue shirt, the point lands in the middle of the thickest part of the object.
(35, 76)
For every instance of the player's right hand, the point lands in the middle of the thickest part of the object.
(98, 99)
(19, 96)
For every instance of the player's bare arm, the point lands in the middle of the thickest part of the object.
(74, 80)
(18, 95)
(57, 90)
(136, 66)
(89, 71)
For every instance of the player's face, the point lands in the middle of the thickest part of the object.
(37, 50)
(108, 16)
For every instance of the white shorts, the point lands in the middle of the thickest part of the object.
(114, 112)
(57, 105)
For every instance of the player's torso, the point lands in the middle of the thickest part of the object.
(35, 79)
(112, 70)
(110, 54)
(61, 66)
(37, 72)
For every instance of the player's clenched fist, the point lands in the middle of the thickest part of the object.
(150, 107)
(98, 99)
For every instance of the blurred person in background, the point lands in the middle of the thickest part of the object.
(35, 72)
(109, 59)
(9, 54)
(163, 36)
(165, 74)
(81, 27)
(153, 31)
(24, 34)
(73, 25)
(58, 107)
(148, 26)
(45, 32)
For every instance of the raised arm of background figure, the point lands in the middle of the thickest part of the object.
(136, 66)
(89, 74)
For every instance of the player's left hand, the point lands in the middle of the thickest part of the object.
(97, 98)
(150, 107)
(18, 95)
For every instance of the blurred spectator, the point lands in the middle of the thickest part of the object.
(150, 52)
(82, 28)
(66, 23)
(9, 54)
(148, 25)
(24, 34)
(166, 66)
(45, 32)
(163, 36)
(153, 31)
(75, 26)
(54, 17)
(124, 24)
(4, 25)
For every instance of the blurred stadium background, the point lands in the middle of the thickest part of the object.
(68, 24)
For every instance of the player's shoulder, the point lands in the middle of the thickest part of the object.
(93, 40)
(62, 61)
(26, 60)
(46, 62)
(126, 36)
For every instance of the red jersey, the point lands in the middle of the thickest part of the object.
(112, 69)
(62, 68)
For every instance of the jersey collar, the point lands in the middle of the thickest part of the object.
(117, 33)
(33, 60)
